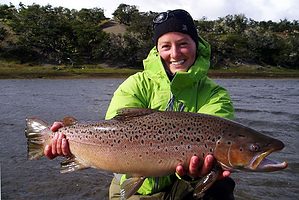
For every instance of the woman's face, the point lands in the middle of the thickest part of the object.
(177, 50)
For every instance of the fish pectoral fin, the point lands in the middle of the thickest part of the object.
(130, 186)
(71, 164)
(205, 183)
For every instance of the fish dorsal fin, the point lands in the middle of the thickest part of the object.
(126, 113)
(130, 186)
(69, 121)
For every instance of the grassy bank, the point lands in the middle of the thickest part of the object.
(8, 71)
(13, 70)
(252, 72)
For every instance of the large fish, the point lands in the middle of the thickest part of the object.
(148, 143)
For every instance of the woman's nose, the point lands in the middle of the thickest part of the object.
(175, 52)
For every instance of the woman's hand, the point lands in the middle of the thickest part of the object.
(195, 170)
(59, 145)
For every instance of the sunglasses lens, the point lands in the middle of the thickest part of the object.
(160, 18)
(164, 16)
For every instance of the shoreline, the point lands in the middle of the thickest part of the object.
(214, 75)
(15, 71)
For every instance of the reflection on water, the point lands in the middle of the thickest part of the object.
(270, 106)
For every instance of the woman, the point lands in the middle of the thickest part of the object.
(174, 78)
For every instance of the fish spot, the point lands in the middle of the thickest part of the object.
(229, 142)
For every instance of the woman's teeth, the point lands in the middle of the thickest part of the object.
(178, 62)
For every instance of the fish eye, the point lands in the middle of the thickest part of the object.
(254, 147)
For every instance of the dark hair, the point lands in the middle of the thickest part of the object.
(174, 21)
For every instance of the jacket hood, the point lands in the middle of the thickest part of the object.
(153, 66)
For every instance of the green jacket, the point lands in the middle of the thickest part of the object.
(152, 88)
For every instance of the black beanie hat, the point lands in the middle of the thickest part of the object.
(174, 21)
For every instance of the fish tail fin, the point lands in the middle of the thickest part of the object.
(36, 133)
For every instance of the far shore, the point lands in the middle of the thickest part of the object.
(17, 71)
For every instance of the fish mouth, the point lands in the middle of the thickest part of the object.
(262, 164)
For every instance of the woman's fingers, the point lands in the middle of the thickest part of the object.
(180, 170)
(207, 165)
(59, 144)
(194, 166)
(54, 144)
(56, 125)
(65, 147)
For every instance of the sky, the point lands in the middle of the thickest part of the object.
(258, 10)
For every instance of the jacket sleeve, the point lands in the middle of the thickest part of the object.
(219, 103)
(130, 94)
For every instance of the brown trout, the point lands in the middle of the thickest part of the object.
(148, 143)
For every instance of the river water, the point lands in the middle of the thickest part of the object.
(270, 106)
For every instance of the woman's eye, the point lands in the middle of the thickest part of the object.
(184, 44)
(165, 47)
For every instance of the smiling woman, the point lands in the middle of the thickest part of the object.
(177, 50)
(176, 40)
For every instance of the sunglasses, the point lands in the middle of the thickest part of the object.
(164, 16)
